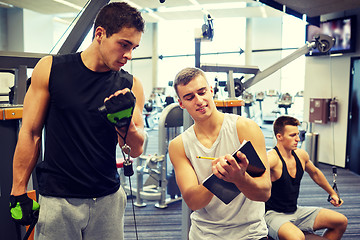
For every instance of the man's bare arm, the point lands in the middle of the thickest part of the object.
(34, 112)
(318, 177)
(135, 136)
(194, 194)
(259, 188)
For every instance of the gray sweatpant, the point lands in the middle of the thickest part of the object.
(81, 219)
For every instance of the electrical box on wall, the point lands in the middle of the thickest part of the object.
(319, 110)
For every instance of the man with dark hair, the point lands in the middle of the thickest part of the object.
(216, 134)
(284, 218)
(115, 16)
(79, 186)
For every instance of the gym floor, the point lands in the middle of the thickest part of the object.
(154, 223)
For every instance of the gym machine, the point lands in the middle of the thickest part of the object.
(298, 103)
(321, 42)
(160, 182)
(259, 97)
(248, 102)
(272, 97)
(285, 101)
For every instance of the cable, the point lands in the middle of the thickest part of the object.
(128, 168)
(334, 169)
(121, 118)
(133, 208)
(128, 171)
(332, 96)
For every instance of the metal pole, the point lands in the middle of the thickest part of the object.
(270, 70)
(197, 52)
(20, 84)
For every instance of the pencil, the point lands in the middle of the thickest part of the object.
(209, 158)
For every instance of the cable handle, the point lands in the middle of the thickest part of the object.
(334, 170)
(128, 168)
(128, 171)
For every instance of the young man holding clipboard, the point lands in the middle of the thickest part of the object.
(217, 134)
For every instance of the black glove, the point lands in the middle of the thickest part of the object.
(119, 109)
(23, 209)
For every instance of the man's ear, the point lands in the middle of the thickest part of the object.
(181, 104)
(100, 32)
(278, 136)
(212, 91)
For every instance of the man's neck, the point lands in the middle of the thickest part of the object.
(285, 153)
(91, 59)
(209, 128)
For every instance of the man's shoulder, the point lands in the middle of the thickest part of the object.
(68, 56)
(249, 130)
(272, 153)
(176, 146)
(176, 141)
(65, 60)
(273, 158)
(301, 154)
(246, 123)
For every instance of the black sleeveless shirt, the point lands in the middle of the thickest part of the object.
(80, 146)
(285, 190)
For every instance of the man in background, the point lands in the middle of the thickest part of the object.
(284, 218)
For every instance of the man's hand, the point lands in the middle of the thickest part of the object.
(228, 169)
(335, 200)
(23, 209)
(119, 107)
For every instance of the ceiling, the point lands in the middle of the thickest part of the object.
(313, 8)
(154, 11)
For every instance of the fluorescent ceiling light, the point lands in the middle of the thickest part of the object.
(336, 54)
(133, 4)
(194, 2)
(69, 4)
(263, 12)
(148, 10)
(199, 7)
(60, 20)
(152, 14)
(6, 5)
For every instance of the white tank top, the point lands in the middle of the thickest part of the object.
(241, 218)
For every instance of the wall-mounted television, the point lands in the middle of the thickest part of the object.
(342, 29)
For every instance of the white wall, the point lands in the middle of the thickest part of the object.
(38, 29)
(3, 29)
(142, 69)
(15, 30)
(328, 77)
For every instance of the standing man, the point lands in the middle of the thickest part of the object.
(79, 186)
(215, 134)
(284, 218)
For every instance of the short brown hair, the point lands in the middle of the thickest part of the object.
(116, 15)
(186, 75)
(282, 121)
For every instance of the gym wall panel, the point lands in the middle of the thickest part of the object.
(327, 77)
(38, 32)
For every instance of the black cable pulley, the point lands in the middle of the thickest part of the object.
(324, 42)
